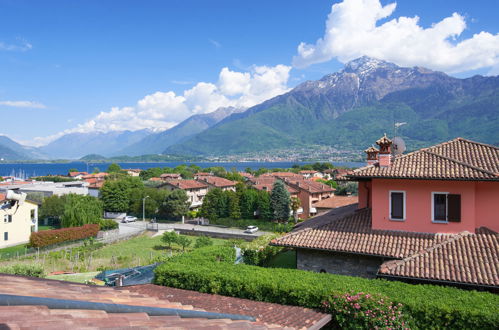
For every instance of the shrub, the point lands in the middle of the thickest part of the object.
(258, 252)
(212, 270)
(50, 237)
(24, 269)
(203, 241)
(108, 224)
(365, 311)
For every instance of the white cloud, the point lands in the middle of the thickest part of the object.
(21, 47)
(23, 104)
(352, 31)
(215, 43)
(162, 110)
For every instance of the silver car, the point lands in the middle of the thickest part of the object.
(129, 218)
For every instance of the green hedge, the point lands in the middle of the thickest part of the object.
(108, 224)
(51, 237)
(212, 270)
(24, 269)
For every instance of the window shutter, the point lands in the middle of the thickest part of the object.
(454, 211)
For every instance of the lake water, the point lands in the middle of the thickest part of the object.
(28, 170)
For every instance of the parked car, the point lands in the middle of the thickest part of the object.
(251, 229)
(129, 218)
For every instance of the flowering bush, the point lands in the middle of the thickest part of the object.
(365, 311)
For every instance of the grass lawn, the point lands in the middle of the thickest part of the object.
(78, 277)
(285, 259)
(12, 251)
(40, 228)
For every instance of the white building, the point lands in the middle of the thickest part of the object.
(18, 219)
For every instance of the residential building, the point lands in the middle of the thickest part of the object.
(201, 175)
(334, 202)
(48, 188)
(309, 193)
(18, 219)
(308, 174)
(77, 175)
(196, 191)
(217, 182)
(429, 216)
(133, 171)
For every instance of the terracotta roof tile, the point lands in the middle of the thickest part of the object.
(42, 317)
(458, 159)
(464, 258)
(286, 316)
(336, 201)
(186, 184)
(352, 233)
(170, 175)
(217, 181)
(309, 185)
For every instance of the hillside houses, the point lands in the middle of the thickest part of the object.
(429, 216)
(196, 191)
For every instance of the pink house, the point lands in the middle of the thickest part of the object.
(429, 216)
(448, 188)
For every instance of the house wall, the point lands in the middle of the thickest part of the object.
(418, 205)
(365, 194)
(338, 263)
(487, 205)
(20, 228)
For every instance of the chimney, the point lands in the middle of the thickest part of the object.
(372, 155)
(385, 153)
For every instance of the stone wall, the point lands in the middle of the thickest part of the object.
(338, 263)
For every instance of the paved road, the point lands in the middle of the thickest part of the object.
(139, 225)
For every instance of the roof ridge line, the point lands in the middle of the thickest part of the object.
(474, 142)
(395, 263)
(461, 163)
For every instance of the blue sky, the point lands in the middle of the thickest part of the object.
(65, 62)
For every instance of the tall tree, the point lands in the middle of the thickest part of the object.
(211, 203)
(175, 205)
(264, 207)
(233, 205)
(280, 201)
(114, 168)
(80, 210)
(53, 207)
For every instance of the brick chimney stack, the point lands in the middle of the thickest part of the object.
(372, 155)
(385, 152)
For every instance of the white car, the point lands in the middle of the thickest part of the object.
(251, 229)
(129, 218)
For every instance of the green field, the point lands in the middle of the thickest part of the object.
(78, 277)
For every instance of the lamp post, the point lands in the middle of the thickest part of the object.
(144, 208)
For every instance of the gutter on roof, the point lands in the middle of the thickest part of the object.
(339, 251)
(363, 178)
(53, 303)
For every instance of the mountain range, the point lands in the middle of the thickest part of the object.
(348, 110)
(353, 107)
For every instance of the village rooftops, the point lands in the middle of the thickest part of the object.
(186, 184)
(170, 176)
(217, 181)
(336, 201)
(73, 174)
(308, 172)
(458, 159)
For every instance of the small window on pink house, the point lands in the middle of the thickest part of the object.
(446, 207)
(397, 205)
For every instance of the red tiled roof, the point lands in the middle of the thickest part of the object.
(186, 184)
(458, 159)
(42, 317)
(352, 233)
(155, 179)
(2, 197)
(310, 186)
(267, 186)
(217, 182)
(286, 316)
(464, 258)
(308, 172)
(77, 173)
(281, 174)
(336, 201)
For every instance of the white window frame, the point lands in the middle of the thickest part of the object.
(390, 204)
(433, 193)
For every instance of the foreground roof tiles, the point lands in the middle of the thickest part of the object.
(465, 258)
(458, 159)
(287, 316)
(352, 233)
(42, 317)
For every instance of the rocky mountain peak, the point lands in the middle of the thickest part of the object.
(365, 65)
